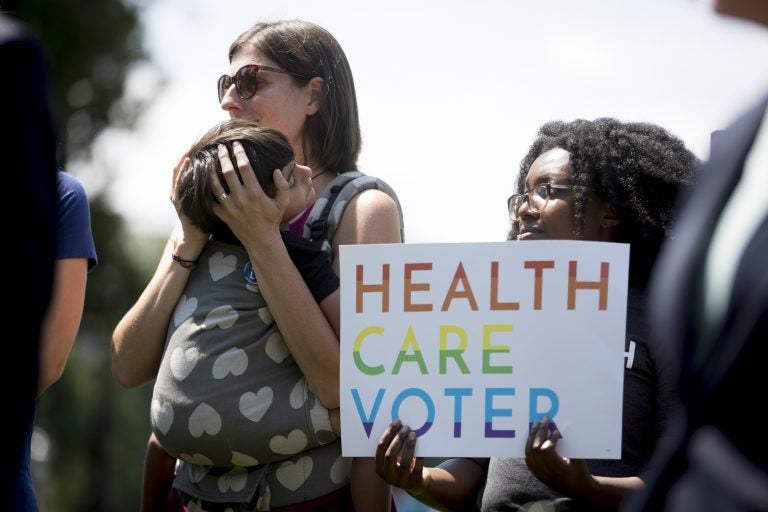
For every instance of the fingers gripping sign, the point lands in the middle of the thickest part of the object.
(541, 445)
(413, 465)
(395, 458)
(560, 473)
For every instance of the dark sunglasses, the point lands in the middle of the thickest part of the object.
(246, 80)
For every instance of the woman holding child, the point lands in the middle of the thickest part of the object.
(291, 76)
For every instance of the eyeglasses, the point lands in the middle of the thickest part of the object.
(537, 198)
(246, 80)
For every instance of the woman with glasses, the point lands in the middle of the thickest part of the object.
(600, 180)
(291, 76)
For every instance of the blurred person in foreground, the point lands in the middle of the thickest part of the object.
(710, 304)
(27, 142)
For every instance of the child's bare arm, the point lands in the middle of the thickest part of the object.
(158, 475)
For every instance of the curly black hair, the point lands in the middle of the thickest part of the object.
(638, 167)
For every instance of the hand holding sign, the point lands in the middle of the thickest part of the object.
(396, 462)
(567, 476)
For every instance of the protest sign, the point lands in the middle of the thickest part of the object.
(469, 343)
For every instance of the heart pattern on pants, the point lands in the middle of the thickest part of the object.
(222, 317)
(183, 362)
(298, 394)
(162, 415)
(276, 348)
(220, 266)
(204, 420)
(235, 480)
(266, 316)
(197, 471)
(340, 470)
(292, 475)
(243, 460)
(234, 361)
(255, 405)
(321, 423)
(295, 442)
(184, 309)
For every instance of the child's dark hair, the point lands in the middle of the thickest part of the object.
(267, 150)
(638, 167)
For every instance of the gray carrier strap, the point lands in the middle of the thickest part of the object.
(324, 218)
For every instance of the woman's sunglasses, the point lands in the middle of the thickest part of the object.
(246, 80)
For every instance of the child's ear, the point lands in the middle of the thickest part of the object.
(316, 95)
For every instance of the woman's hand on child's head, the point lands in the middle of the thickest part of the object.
(246, 208)
(178, 170)
(184, 232)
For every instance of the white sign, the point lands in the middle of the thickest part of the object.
(470, 343)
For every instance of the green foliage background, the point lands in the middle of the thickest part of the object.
(97, 430)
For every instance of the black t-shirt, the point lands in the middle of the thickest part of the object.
(311, 261)
(648, 396)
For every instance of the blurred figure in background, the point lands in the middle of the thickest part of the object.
(74, 257)
(710, 305)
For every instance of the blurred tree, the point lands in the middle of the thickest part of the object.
(91, 44)
(97, 430)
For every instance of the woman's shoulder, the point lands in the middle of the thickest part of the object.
(376, 199)
(369, 193)
(357, 208)
(353, 183)
(372, 216)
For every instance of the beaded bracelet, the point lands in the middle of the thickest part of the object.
(190, 264)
